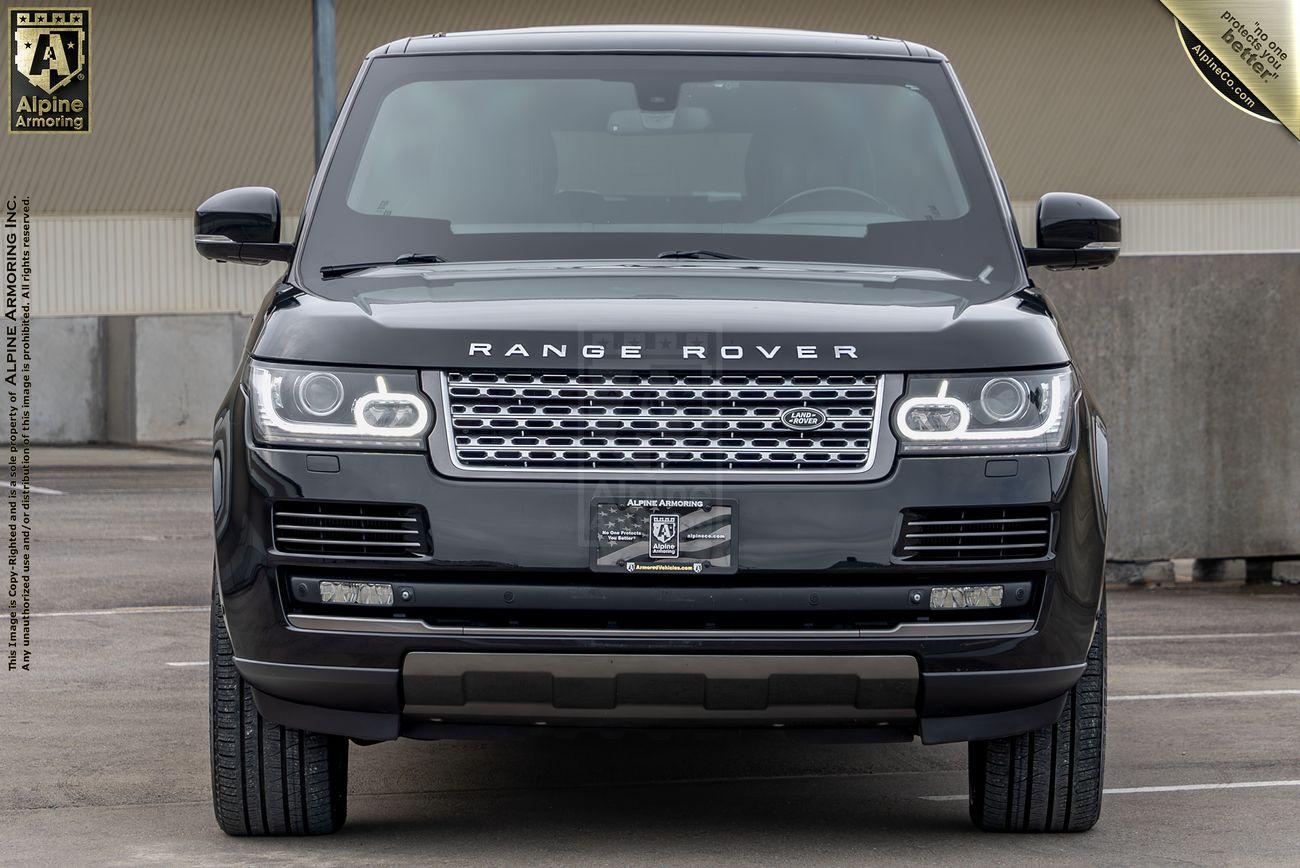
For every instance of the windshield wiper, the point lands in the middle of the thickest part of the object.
(696, 254)
(330, 271)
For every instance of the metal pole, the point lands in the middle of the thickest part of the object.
(322, 69)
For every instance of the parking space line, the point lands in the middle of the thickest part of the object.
(1220, 694)
(1171, 788)
(1173, 637)
(1182, 788)
(126, 610)
(35, 489)
(186, 663)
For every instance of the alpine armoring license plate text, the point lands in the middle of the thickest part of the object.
(663, 535)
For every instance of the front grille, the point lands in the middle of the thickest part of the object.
(659, 421)
(979, 533)
(350, 530)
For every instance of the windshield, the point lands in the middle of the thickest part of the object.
(527, 157)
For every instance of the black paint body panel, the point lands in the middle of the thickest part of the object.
(793, 535)
(801, 534)
(659, 39)
(399, 319)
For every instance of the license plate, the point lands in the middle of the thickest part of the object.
(663, 535)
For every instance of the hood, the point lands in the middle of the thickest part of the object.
(677, 316)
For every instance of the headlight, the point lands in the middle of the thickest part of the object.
(1015, 412)
(358, 409)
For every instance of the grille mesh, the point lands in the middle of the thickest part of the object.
(985, 533)
(659, 421)
(350, 530)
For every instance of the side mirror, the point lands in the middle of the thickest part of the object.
(1067, 224)
(241, 225)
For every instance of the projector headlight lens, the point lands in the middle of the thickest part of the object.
(298, 406)
(1014, 412)
(320, 393)
(1004, 399)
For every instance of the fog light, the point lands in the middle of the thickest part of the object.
(974, 597)
(356, 593)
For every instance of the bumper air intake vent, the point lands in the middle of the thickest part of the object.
(350, 530)
(975, 534)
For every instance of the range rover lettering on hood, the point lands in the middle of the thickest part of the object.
(688, 351)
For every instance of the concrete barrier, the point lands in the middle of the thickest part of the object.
(166, 374)
(68, 379)
(1193, 359)
(175, 402)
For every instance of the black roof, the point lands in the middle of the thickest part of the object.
(658, 39)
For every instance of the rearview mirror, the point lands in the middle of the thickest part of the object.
(241, 225)
(685, 119)
(1067, 224)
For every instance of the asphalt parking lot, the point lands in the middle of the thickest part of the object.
(103, 748)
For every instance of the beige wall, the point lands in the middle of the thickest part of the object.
(145, 263)
(191, 96)
(1065, 91)
(188, 98)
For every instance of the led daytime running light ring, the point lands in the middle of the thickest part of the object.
(939, 400)
(271, 420)
(1059, 398)
(412, 430)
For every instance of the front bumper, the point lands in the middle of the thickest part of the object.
(380, 677)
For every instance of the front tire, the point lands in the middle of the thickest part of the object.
(1048, 780)
(267, 779)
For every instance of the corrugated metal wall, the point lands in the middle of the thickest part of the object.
(147, 264)
(1094, 96)
(137, 264)
(188, 97)
(1171, 226)
(193, 96)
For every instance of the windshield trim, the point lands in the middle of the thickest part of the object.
(1020, 281)
(856, 271)
(1011, 232)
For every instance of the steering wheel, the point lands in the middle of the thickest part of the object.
(852, 191)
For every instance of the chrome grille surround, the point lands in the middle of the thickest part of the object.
(637, 423)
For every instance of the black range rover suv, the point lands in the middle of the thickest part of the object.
(657, 377)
